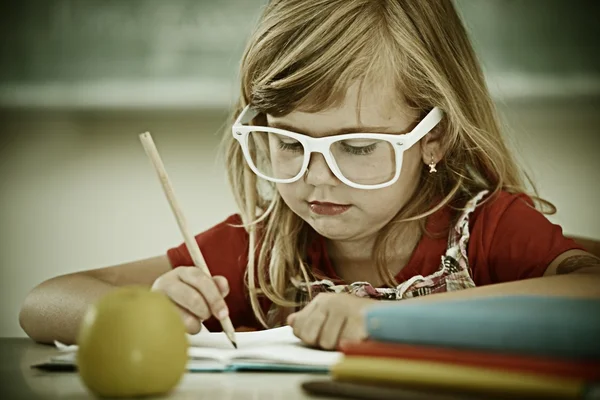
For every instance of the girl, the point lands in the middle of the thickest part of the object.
(367, 161)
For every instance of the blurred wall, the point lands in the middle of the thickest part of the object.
(80, 80)
(186, 52)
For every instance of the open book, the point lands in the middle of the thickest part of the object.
(269, 350)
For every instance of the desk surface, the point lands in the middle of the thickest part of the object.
(19, 381)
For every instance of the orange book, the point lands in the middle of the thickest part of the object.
(588, 370)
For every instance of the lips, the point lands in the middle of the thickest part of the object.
(324, 208)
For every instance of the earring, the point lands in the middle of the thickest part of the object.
(432, 165)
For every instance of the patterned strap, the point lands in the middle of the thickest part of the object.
(454, 272)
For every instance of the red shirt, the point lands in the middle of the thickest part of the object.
(510, 240)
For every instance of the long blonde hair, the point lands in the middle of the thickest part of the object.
(304, 54)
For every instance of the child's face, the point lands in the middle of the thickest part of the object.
(366, 211)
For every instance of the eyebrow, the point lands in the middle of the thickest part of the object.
(342, 131)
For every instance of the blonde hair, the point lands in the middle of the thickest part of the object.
(304, 55)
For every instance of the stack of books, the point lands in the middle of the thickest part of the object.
(517, 346)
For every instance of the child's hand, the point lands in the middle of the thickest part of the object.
(330, 318)
(197, 295)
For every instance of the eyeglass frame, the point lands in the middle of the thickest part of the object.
(400, 143)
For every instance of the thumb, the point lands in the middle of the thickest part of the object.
(222, 284)
(291, 318)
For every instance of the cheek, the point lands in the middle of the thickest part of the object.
(290, 193)
(411, 161)
(391, 199)
(411, 171)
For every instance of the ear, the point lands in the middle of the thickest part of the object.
(431, 146)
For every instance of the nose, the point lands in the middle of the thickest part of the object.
(318, 172)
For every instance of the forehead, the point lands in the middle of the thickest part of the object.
(366, 106)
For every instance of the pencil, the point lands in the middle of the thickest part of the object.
(190, 241)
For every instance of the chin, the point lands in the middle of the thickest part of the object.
(333, 228)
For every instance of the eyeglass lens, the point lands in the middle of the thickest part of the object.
(364, 161)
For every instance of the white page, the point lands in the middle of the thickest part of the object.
(278, 345)
(295, 354)
(218, 339)
(244, 340)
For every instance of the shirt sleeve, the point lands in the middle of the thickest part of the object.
(225, 250)
(221, 240)
(523, 241)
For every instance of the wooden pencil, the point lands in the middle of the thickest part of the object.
(190, 241)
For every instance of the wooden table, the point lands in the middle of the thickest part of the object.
(19, 381)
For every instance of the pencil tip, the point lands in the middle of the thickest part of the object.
(234, 344)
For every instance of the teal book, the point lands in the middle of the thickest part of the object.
(545, 326)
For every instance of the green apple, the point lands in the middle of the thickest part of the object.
(132, 342)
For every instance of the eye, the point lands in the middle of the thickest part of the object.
(288, 143)
(359, 146)
(287, 140)
(290, 146)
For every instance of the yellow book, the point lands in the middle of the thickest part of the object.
(427, 374)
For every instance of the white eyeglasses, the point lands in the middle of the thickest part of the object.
(360, 160)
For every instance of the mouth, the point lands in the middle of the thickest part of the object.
(326, 208)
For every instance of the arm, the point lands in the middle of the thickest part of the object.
(54, 309)
(329, 317)
(521, 252)
(574, 273)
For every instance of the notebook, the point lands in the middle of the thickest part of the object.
(536, 325)
(275, 349)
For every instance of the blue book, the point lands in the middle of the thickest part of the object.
(545, 326)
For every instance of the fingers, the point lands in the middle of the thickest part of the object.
(354, 329)
(192, 323)
(318, 324)
(222, 284)
(190, 299)
(332, 331)
(328, 319)
(308, 326)
(207, 287)
(197, 295)
(291, 319)
(319, 328)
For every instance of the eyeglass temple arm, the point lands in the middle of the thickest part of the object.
(425, 126)
(246, 116)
